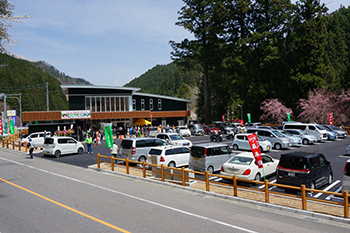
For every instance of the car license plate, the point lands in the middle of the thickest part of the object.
(196, 159)
(268, 148)
(292, 174)
(199, 133)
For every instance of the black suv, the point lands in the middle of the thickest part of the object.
(309, 168)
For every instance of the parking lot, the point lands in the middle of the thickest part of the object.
(333, 150)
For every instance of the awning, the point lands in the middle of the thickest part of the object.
(141, 121)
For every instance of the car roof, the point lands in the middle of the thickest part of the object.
(302, 154)
(247, 154)
(209, 145)
(167, 147)
(139, 138)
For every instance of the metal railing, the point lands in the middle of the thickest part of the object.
(184, 174)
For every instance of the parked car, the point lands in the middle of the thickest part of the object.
(346, 176)
(278, 140)
(209, 156)
(347, 151)
(225, 127)
(331, 135)
(238, 127)
(62, 145)
(253, 124)
(183, 131)
(243, 165)
(37, 138)
(136, 149)
(171, 156)
(196, 129)
(314, 129)
(174, 139)
(240, 142)
(208, 129)
(296, 141)
(340, 133)
(306, 138)
(309, 168)
(152, 131)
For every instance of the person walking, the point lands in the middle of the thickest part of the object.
(31, 146)
(114, 151)
(88, 141)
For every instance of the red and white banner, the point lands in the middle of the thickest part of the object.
(1, 130)
(330, 118)
(242, 122)
(254, 145)
(223, 118)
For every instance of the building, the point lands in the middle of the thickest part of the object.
(91, 105)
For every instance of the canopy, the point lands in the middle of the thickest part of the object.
(141, 121)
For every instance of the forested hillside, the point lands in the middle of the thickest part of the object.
(62, 77)
(19, 76)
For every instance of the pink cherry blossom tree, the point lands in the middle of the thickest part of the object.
(274, 111)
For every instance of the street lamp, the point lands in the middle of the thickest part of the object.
(241, 110)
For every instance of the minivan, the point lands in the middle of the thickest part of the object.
(308, 168)
(278, 140)
(209, 156)
(62, 145)
(314, 129)
(136, 149)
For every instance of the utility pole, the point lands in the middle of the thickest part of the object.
(47, 96)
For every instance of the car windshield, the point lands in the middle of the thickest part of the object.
(197, 127)
(260, 138)
(241, 160)
(286, 133)
(183, 127)
(278, 134)
(304, 132)
(320, 127)
(292, 162)
(155, 152)
(333, 127)
(176, 137)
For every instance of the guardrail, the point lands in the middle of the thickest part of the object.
(183, 175)
(13, 144)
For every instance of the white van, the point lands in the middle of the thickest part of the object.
(314, 129)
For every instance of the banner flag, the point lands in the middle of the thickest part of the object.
(223, 118)
(248, 115)
(254, 145)
(5, 126)
(1, 128)
(12, 126)
(330, 118)
(109, 135)
(288, 116)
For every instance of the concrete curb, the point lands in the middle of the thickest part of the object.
(305, 213)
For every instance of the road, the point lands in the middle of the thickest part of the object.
(43, 195)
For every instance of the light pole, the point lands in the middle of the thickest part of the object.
(241, 110)
(19, 98)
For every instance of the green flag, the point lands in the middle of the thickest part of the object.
(109, 135)
(12, 126)
(248, 115)
(288, 116)
(5, 127)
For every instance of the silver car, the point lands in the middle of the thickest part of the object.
(277, 139)
(305, 136)
(340, 133)
(240, 142)
(296, 141)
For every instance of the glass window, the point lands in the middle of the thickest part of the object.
(122, 103)
(98, 104)
(103, 104)
(169, 152)
(112, 104)
(93, 104)
(140, 143)
(150, 104)
(134, 104)
(108, 104)
(87, 103)
(117, 102)
(142, 104)
(159, 104)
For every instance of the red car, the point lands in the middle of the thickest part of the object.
(212, 129)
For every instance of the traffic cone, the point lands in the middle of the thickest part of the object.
(120, 137)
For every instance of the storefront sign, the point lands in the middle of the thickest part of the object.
(75, 114)
(254, 145)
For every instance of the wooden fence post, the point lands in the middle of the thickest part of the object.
(346, 204)
(162, 169)
(183, 176)
(207, 180)
(267, 198)
(303, 197)
(127, 165)
(112, 162)
(144, 169)
(235, 189)
(98, 159)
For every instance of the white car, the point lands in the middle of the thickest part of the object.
(244, 167)
(171, 156)
(183, 131)
(240, 142)
(346, 177)
(174, 139)
(37, 138)
(62, 145)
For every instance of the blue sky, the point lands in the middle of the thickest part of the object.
(107, 42)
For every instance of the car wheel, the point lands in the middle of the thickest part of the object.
(235, 147)
(278, 146)
(257, 177)
(171, 164)
(142, 158)
(261, 149)
(305, 141)
(312, 185)
(211, 139)
(80, 151)
(57, 153)
(220, 139)
(330, 178)
(210, 169)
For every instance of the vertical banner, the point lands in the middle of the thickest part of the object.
(288, 116)
(254, 145)
(12, 126)
(330, 118)
(242, 122)
(248, 115)
(5, 126)
(1, 128)
(109, 135)
(223, 118)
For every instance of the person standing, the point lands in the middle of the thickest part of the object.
(88, 141)
(31, 147)
(114, 151)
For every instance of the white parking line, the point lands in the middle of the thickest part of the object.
(332, 196)
(214, 178)
(326, 189)
(262, 186)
